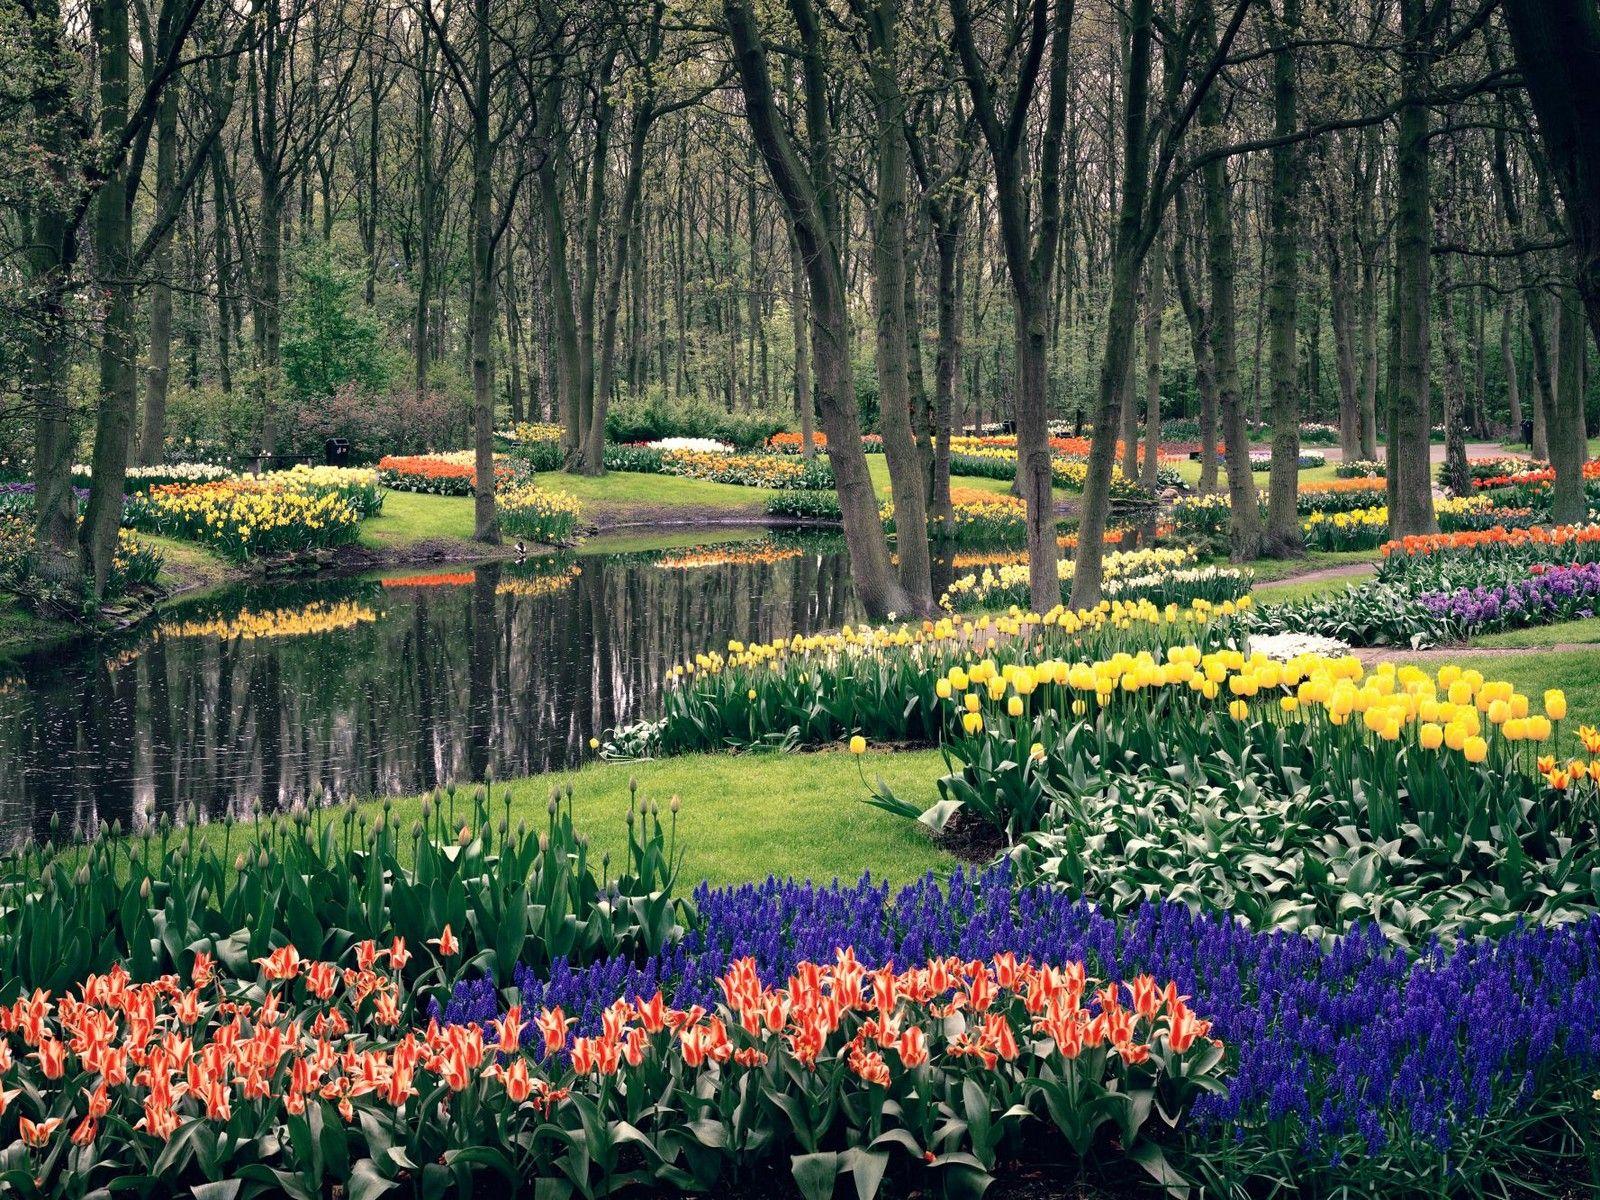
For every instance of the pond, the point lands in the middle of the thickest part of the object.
(387, 684)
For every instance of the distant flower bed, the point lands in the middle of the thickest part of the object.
(977, 516)
(789, 443)
(452, 474)
(141, 478)
(755, 469)
(1307, 460)
(1161, 576)
(538, 444)
(1340, 495)
(698, 445)
(247, 518)
(538, 514)
(1360, 468)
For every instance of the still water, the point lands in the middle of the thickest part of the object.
(383, 684)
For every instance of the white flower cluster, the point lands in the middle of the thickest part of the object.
(184, 472)
(1284, 646)
(704, 445)
(1132, 583)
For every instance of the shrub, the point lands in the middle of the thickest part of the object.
(645, 420)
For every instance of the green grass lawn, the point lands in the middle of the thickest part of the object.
(629, 489)
(1290, 590)
(411, 517)
(1189, 471)
(743, 817)
(1563, 633)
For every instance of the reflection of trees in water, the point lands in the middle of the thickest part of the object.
(448, 683)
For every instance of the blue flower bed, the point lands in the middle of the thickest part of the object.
(1344, 1049)
(1553, 594)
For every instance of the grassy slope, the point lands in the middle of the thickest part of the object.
(745, 817)
(411, 517)
(1563, 633)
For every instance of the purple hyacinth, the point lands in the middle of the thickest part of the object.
(1555, 594)
(1345, 1047)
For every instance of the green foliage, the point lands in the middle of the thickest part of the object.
(324, 879)
(652, 417)
(329, 340)
(805, 505)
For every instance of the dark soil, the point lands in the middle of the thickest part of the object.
(971, 840)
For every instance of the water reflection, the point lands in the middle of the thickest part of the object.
(382, 685)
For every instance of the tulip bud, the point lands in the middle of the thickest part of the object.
(676, 803)
(463, 835)
(144, 888)
(238, 862)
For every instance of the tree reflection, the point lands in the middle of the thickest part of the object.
(509, 668)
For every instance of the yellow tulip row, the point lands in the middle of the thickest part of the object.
(1457, 709)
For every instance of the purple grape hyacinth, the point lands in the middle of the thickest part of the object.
(1554, 594)
(1343, 1046)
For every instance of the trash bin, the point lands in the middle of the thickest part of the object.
(1527, 432)
(336, 452)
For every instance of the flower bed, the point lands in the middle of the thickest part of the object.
(1549, 594)
(1360, 468)
(452, 474)
(1307, 460)
(1162, 576)
(883, 681)
(786, 442)
(784, 471)
(976, 516)
(538, 514)
(1349, 1063)
(142, 478)
(1340, 495)
(536, 443)
(1357, 529)
(246, 518)
(1441, 560)
(855, 1071)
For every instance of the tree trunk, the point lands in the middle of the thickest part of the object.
(1409, 474)
(1457, 475)
(51, 255)
(1154, 304)
(947, 360)
(158, 378)
(1557, 43)
(1337, 244)
(893, 347)
(553, 210)
(1508, 363)
(807, 196)
(1116, 367)
(1197, 315)
(1283, 538)
(113, 232)
(485, 524)
(804, 404)
(1245, 526)
(1568, 437)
